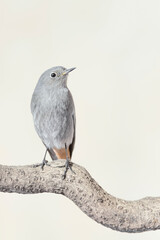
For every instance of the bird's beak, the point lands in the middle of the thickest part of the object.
(67, 71)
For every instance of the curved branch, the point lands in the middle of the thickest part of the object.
(82, 189)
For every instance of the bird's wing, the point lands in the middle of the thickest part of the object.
(71, 146)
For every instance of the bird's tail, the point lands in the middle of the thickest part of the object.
(52, 154)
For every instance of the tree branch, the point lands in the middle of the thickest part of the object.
(82, 189)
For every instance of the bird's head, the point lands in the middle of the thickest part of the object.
(55, 76)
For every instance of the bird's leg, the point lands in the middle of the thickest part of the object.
(44, 162)
(68, 164)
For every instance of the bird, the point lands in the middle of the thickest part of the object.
(54, 117)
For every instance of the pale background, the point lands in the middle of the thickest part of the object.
(115, 46)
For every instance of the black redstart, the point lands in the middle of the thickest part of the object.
(53, 113)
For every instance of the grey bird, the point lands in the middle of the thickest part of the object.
(53, 113)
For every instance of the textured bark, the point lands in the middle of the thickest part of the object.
(82, 189)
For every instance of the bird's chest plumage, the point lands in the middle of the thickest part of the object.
(52, 112)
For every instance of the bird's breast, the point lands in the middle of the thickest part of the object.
(52, 115)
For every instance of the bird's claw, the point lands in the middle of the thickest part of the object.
(68, 165)
(45, 162)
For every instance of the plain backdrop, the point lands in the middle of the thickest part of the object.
(115, 46)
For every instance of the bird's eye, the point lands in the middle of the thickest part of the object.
(53, 75)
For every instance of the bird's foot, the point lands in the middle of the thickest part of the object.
(44, 162)
(68, 165)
